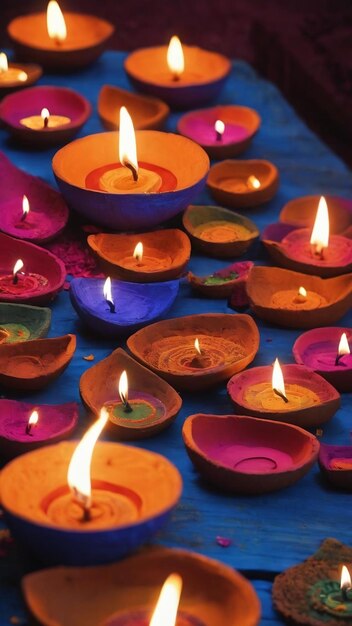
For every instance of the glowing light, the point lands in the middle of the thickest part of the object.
(278, 383)
(197, 346)
(17, 267)
(33, 418)
(165, 613)
(123, 387)
(343, 345)
(44, 114)
(4, 66)
(107, 292)
(138, 252)
(25, 206)
(55, 22)
(302, 292)
(320, 233)
(219, 127)
(127, 142)
(345, 578)
(175, 57)
(253, 182)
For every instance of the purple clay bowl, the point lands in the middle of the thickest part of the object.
(58, 100)
(48, 213)
(136, 304)
(317, 349)
(335, 463)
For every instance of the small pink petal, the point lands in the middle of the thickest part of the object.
(224, 542)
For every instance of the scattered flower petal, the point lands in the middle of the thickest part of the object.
(89, 357)
(224, 542)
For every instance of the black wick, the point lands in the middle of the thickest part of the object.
(281, 395)
(126, 405)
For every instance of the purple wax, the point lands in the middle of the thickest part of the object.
(203, 132)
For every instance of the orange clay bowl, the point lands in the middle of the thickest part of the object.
(147, 113)
(98, 388)
(165, 255)
(227, 183)
(33, 72)
(32, 365)
(228, 344)
(332, 297)
(219, 232)
(247, 455)
(301, 212)
(213, 593)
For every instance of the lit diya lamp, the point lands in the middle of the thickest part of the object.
(314, 251)
(16, 76)
(44, 120)
(59, 41)
(21, 322)
(183, 76)
(105, 519)
(20, 282)
(243, 184)
(294, 394)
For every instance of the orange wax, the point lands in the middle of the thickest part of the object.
(262, 396)
(341, 464)
(150, 262)
(221, 231)
(36, 122)
(236, 185)
(289, 299)
(13, 75)
(115, 178)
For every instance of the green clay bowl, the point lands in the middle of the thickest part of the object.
(21, 322)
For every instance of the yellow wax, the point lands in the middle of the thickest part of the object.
(221, 231)
(147, 264)
(289, 299)
(262, 396)
(121, 181)
(36, 122)
(237, 185)
(13, 75)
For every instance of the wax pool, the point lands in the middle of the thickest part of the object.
(146, 411)
(115, 178)
(290, 299)
(262, 396)
(221, 231)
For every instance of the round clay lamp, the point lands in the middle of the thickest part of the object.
(86, 38)
(81, 169)
(15, 76)
(212, 594)
(204, 75)
(18, 435)
(246, 455)
(153, 401)
(32, 365)
(240, 124)
(226, 344)
(139, 489)
(147, 113)
(21, 322)
(309, 400)
(222, 283)
(20, 113)
(319, 349)
(243, 184)
(275, 296)
(300, 212)
(218, 232)
(335, 463)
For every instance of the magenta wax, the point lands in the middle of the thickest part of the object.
(141, 617)
(337, 256)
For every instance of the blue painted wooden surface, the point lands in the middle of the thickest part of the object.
(271, 532)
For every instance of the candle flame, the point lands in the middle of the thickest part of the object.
(22, 77)
(302, 292)
(219, 127)
(343, 345)
(44, 114)
(197, 346)
(107, 290)
(320, 233)
(165, 613)
(345, 578)
(25, 205)
(18, 266)
(55, 22)
(127, 141)
(33, 418)
(4, 66)
(278, 382)
(123, 387)
(78, 475)
(175, 57)
(138, 252)
(253, 182)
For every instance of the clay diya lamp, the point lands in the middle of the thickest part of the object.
(21, 322)
(144, 258)
(247, 455)
(82, 515)
(25, 427)
(301, 213)
(243, 184)
(317, 591)
(327, 351)
(147, 113)
(293, 394)
(114, 308)
(311, 250)
(139, 403)
(296, 300)
(44, 116)
(223, 131)
(131, 194)
(222, 283)
(218, 232)
(212, 593)
(35, 277)
(335, 464)
(59, 42)
(182, 76)
(30, 209)
(32, 365)
(15, 76)
(197, 351)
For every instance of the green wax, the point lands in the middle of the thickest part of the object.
(13, 333)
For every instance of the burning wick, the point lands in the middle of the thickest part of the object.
(33, 420)
(301, 295)
(44, 114)
(253, 182)
(166, 608)
(127, 143)
(123, 392)
(219, 129)
(55, 23)
(16, 269)
(175, 58)
(343, 349)
(138, 253)
(108, 295)
(320, 233)
(345, 583)
(278, 383)
(25, 208)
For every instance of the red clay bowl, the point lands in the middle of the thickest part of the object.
(56, 422)
(205, 75)
(248, 455)
(312, 401)
(330, 298)
(301, 212)
(45, 271)
(143, 486)
(87, 38)
(213, 593)
(229, 183)
(58, 100)
(229, 342)
(186, 160)
(21, 322)
(165, 255)
(33, 72)
(48, 211)
(335, 464)
(317, 349)
(222, 283)
(241, 124)
(98, 388)
(147, 113)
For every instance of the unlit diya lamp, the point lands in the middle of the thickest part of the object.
(222, 283)
(132, 493)
(21, 322)
(327, 351)
(183, 76)
(59, 41)
(335, 463)
(294, 394)
(147, 113)
(243, 184)
(15, 76)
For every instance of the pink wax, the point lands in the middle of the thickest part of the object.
(338, 253)
(203, 132)
(38, 224)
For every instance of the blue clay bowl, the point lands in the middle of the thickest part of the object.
(136, 304)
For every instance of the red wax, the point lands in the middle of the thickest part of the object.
(26, 283)
(169, 180)
(297, 246)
